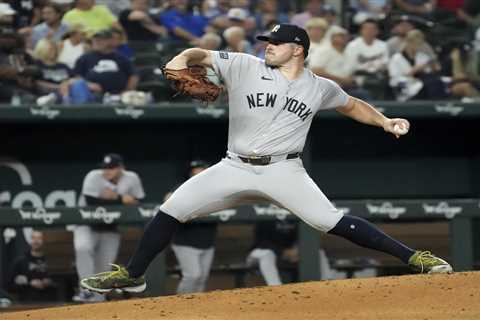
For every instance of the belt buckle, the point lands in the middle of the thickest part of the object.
(261, 160)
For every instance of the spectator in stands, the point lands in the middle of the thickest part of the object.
(370, 9)
(470, 13)
(313, 8)
(52, 72)
(121, 44)
(330, 14)
(28, 14)
(413, 75)
(193, 246)
(241, 18)
(182, 24)
(99, 71)
(215, 9)
(73, 45)
(235, 16)
(416, 7)
(17, 70)
(317, 31)
(210, 41)
(116, 6)
(402, 25)
(368, 57)
(367, 53)
(267, 11)
(235, 40)
(456, 66)
(94, 17)
(139, 24)
(7, 16)
(52, 28)
(275, 243)
(30, 278)
(329, 62)
(97, 246)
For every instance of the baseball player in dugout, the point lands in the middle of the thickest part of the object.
(271, 105)
(96, 246)
(193, 246)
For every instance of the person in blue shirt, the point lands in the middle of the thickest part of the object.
(182, 24)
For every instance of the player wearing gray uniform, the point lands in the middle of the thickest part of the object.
(271, 106)
(97, 246)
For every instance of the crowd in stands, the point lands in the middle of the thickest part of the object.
(74, 51)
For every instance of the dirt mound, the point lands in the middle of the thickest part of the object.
(455, 296)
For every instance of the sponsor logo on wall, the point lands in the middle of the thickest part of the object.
(148, 212)
(212, 112)
(100, 213)
(45, 112)
(271, 210)
(40, 214)
(442, 208)
(449, 108)
(386, 209)
(130, 112)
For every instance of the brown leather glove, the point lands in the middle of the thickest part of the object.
(193, 82)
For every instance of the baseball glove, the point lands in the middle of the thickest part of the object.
(193, 82)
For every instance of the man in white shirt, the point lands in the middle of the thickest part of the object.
(367, 53)
(368, 57)
(329, 62)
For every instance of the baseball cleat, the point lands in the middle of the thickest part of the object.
(426, 262)
(117, 279)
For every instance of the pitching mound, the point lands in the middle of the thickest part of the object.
(422, 297)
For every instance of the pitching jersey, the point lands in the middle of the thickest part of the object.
(269, 114)
(129, 183)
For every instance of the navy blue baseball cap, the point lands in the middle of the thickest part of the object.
(285, 33)
(111, 160)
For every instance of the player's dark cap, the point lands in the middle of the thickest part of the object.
(199, 164)
(285, 33)
(111, 160)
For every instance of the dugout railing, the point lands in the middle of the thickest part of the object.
(459, 212)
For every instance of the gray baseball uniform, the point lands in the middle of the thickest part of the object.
(94, 249)
(269, 116)
(129, 183)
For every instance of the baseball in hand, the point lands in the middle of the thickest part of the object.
(400, 129)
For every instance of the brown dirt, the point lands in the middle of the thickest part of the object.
(419, 297)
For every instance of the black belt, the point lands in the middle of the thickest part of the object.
(265, 160)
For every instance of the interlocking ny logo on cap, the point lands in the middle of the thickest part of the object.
(107, 159)
(275, 29)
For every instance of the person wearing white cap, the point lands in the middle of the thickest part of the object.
(6, 14)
